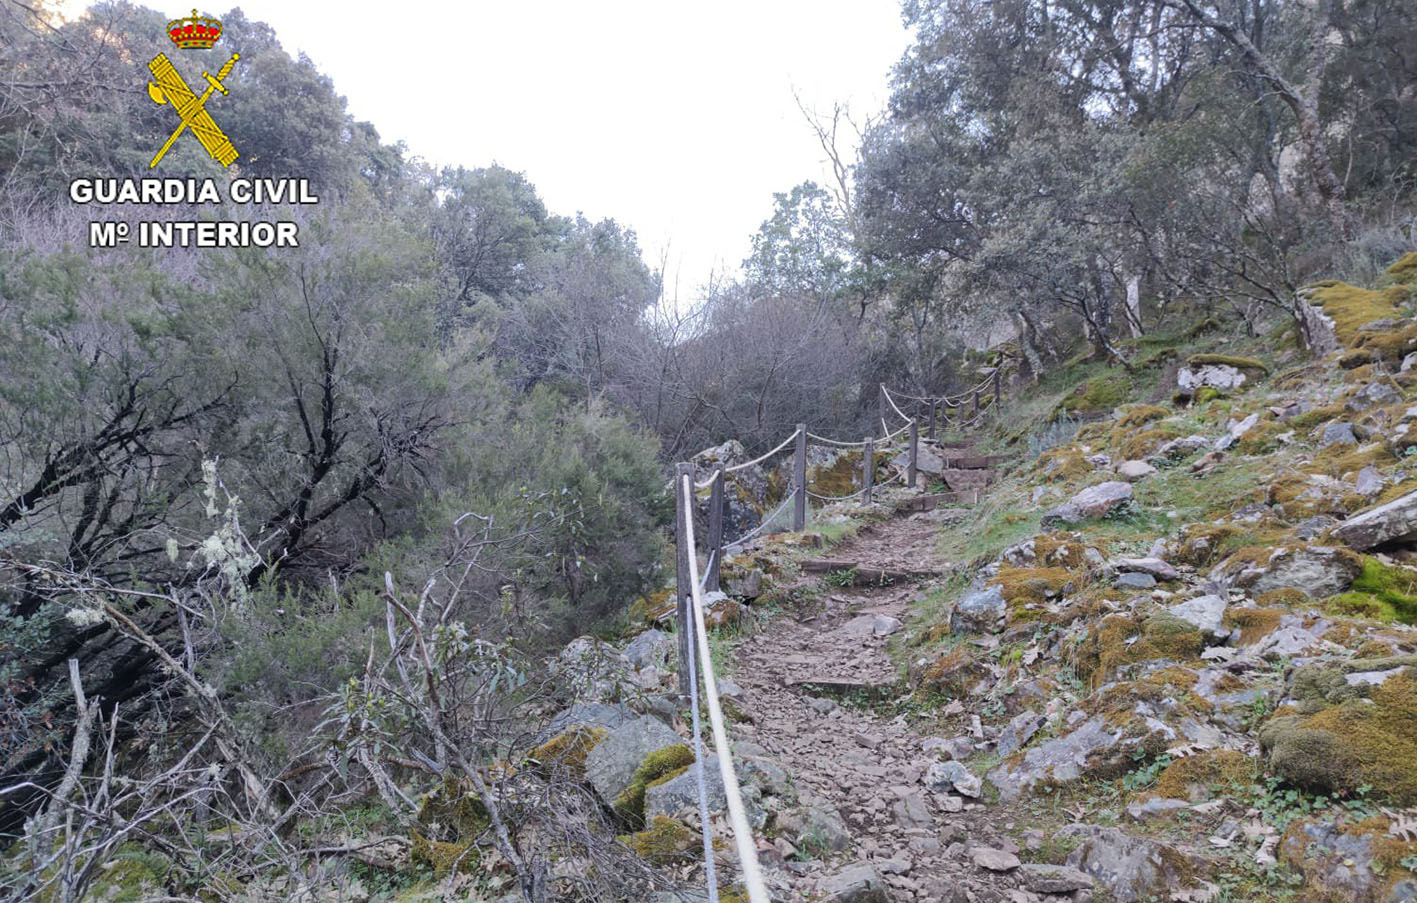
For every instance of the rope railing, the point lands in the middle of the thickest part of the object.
(765, 455)
(695, 660)
(837, 442)
(703, 668)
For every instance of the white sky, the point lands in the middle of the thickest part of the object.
(674, 118)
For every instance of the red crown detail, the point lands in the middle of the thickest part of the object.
(195, 31)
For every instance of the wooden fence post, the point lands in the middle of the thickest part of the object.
(715, 534)
(799, 480)
(881, 409)
(683, 592)
(914, 452)
(868, 470)
(998, 391)
(932, 419)
(976, 402)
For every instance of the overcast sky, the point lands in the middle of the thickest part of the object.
(674, 118)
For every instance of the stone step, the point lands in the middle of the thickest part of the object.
(865, 575)
(931, 501)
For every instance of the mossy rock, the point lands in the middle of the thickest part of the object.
(1351, 307)
(663, 841)
(1031, 584)
(130, 875)
(1380, 592)
(1370, 741)
(1313, 418)
(1389, 344)
(1284, 597)
(840, 478)
(1136, 415)
(1064, 464)
(443, 857)
(1199, 777)
(1404, 270)
(1145, 443)
(1097, 395)
(1261, 439)
(659, 766)
(1254, 624)
(1121, 640)
(566, 752)
(1202, 544)
(1228, 360)
(1060, 550)
(1354, 359)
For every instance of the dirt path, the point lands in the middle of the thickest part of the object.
(850, 758)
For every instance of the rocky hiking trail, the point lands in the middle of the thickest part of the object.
(893, 820)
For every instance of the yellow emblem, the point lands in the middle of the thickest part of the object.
(170, 88)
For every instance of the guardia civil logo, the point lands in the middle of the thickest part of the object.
(168, 87)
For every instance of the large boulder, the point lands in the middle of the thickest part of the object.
(611, 766)
(980, 611)
(682, 792)
(1394, 522)
(858, 883)
(812, 827)
(1130, 868)
(1339, 862)
(592, 670)
(586, 714)
(1094, 501)
(1318, 571)
(652, 649)
(1218, 376)
(1206, 612)
(1059, 760)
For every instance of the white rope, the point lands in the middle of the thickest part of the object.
(708, 569)
(834, 498)
(763, 523)
(893, 404)
(742, 834)
(902, 430)
(705, 828)
(761, 458)
(837, 442)
(707, 483)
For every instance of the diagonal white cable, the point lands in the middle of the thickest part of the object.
(705, 828)
(742, 834)
(893, 404)
(763, 457)
(837, 442)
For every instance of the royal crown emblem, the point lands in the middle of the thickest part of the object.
(194, 32)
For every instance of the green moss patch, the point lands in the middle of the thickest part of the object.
(663, 840)
(659, 766)
(1361, 741)
(1097, 395)
(567, 751)
(1351, 307)
(1199, 777)
(1404, 270)
(1380, 593)
(1228, 360)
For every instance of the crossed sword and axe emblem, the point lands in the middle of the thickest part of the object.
(171, 88)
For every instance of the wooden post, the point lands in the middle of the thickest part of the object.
(683, 592)
(998, 391)
(715, 534)
(799, 480)
(914, 451)
(932, 419)
(976, 402)
(881, 410)
(868, 470)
